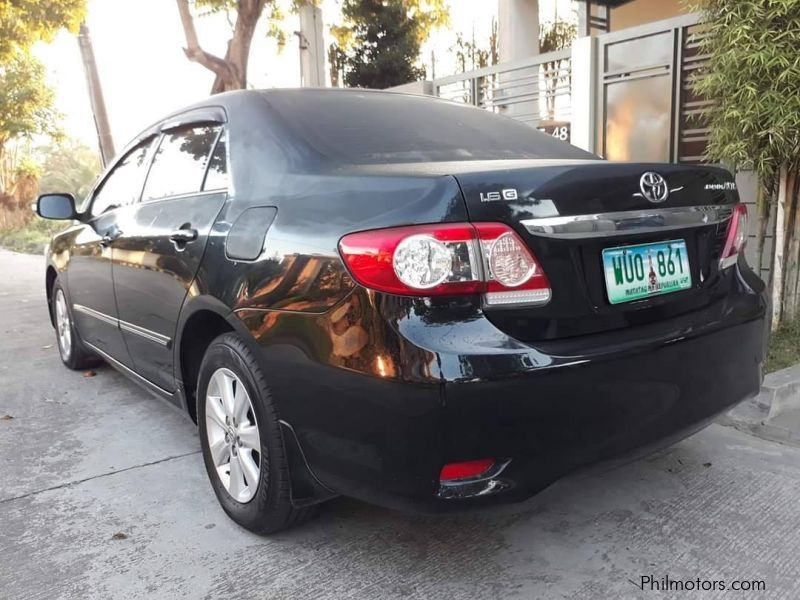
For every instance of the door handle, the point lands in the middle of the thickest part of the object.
(109, 237)
(182, 236)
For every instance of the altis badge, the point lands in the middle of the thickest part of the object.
(725, 185)
(507, 194)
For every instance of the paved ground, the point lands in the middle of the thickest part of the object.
(84, 459)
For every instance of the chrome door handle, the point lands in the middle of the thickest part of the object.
(109, 237)
(183, 236)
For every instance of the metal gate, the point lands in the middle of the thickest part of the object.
(646, 110)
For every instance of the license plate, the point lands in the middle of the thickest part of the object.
(636, 272)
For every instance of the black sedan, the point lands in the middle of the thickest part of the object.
(397, 298)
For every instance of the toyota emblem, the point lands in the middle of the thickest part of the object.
(654, 187)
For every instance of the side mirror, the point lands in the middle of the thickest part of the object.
(56, 206)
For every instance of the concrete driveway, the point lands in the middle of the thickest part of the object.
(103, 495)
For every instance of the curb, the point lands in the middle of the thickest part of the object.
(775, 412)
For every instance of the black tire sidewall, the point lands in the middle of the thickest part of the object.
(268, 505)
(74, 359)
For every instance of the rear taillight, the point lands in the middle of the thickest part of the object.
(735, 238)
(447, 259)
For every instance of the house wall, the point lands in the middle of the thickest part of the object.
(639, 12)
(516, 19)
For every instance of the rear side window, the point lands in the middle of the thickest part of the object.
(180, 162)
(217, 175)
(124, 184)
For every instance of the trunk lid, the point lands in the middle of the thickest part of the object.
(568, 212)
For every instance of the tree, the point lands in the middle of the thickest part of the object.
(26, 109)
(26, 103)
(753, 81)
(556, 36)
(69, 166)
(243, 15)
(23, 22)
(379, 43)
(471, 55)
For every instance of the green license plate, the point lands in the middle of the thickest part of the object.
(636, 272)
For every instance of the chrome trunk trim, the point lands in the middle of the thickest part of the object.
(651, 220)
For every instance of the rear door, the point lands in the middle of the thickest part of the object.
(163, 239)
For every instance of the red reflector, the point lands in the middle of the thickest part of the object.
(736, 237)
(465, 470)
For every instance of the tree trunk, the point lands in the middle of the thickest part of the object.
(779, 243)
(790, 294)
(231, 71)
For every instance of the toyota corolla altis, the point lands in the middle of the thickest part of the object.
(401, 299)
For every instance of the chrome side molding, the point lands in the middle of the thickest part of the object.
(651, 220)
(124, 325)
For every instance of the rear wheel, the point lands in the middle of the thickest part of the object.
(242, 441)
(73, 353)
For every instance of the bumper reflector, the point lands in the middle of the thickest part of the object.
(465, 470)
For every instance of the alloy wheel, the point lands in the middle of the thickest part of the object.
(63, 326)
(232, 432)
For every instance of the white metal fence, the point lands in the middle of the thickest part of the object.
(535, 90)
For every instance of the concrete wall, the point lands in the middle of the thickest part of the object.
(415, 87)
(517, 29)
(747, 184)
(639, 12)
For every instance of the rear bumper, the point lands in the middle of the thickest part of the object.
(422, 391)
(552, 423)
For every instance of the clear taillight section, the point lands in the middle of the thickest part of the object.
(447, 259)
(735, 238)
(513, 275)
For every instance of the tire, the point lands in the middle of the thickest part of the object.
(73, 353)
(226, 433)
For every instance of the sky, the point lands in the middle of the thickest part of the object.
(145, 75)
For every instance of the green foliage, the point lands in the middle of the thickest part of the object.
(379, 43)
(32, 237)
(753, 78)
(26, 110)
(429, 15)
(471, 54)
(784, 347)
(24, 22)
(557, 36)
(274, 11)
(26, 103)
(69, 167)
(27, 167)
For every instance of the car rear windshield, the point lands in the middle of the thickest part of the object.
(373, 128)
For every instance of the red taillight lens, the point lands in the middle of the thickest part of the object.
(513, 275)
(426, 260)
(447, 259)
(736, 237)
(465, 470)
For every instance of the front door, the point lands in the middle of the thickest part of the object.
(89, 277)
(163, 240)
